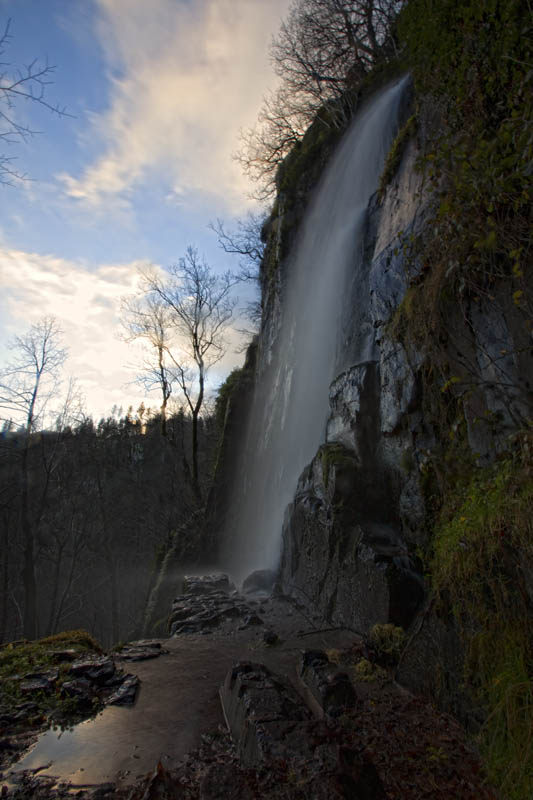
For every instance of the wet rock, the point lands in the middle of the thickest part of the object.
(96, 670)
(331, 688)
(354, 572)
(263, 714)
(6, 745)
(250, 621)
(102, 791)
(39, 681)
(24, 710)
(79, 689)
(202, 584)
(201, 611)
(126, 693)
(262, 580)
(197, 623)
(270, 638)
(141, 650)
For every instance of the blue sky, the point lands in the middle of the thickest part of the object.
(157, 92)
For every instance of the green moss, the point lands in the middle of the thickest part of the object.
(482, 540)
(395, 155)
(238, 381)
(388, 641)
(471, 64)
(402, 324)
(366, 671)
(20, 658)
(305, 160)
(336, 456)
(78, 639)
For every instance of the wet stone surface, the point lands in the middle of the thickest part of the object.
(296, 726)
(126, 692)
(208, 602)
(271, 726)
(141, 650)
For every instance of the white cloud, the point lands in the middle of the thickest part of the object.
(86, 302)
(185, 77)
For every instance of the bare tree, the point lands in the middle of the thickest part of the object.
(20, 85)
(323, 48)
(27, 385)
(148, 318)
(281, 124)
(248, 242)
(198, 307)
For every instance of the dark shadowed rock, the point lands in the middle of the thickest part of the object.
(223, 781)
(140, 651)
(201, 584)
(331, 688)
(39, 681)
(262, 580)
(205, 608)
(263, 713)
(96, 670)
(103, 791)
(250, 620)
(79, 689)
(126, 692)
(356, 573)
(270, 638)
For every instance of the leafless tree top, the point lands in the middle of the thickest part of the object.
(20, 84)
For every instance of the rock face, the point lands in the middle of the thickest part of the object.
(211, 601)
(358, 518)
(263, 714)
(355, 571)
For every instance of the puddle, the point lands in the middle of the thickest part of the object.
(88, 753)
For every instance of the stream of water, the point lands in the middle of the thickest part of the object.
(291, 406)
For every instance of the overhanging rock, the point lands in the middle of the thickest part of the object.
(356, 572)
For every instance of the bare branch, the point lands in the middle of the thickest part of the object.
(19, 85)
(323, 48)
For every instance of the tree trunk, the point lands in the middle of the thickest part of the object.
(55, 590)
(28, 570)
(195, 477)
(115, 626)
(5, 582)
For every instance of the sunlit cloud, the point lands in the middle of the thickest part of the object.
(86, 301)
(184, 78)
(86, 304)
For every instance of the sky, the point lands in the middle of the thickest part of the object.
(156, 93)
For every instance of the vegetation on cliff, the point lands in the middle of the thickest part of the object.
(472, 69)
(472, 66)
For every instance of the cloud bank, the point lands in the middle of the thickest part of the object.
(185, 76)
(86, 303)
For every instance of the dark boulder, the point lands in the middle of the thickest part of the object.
(262, 580)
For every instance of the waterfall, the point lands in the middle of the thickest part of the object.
(291, 401)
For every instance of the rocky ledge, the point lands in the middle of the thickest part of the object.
(314, 712)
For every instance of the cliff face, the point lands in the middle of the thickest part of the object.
(346, 536)
(358, 531)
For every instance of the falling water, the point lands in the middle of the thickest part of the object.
(291, 405)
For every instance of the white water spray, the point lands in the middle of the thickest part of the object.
(291, 406)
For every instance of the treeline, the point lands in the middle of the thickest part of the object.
(102, 502)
